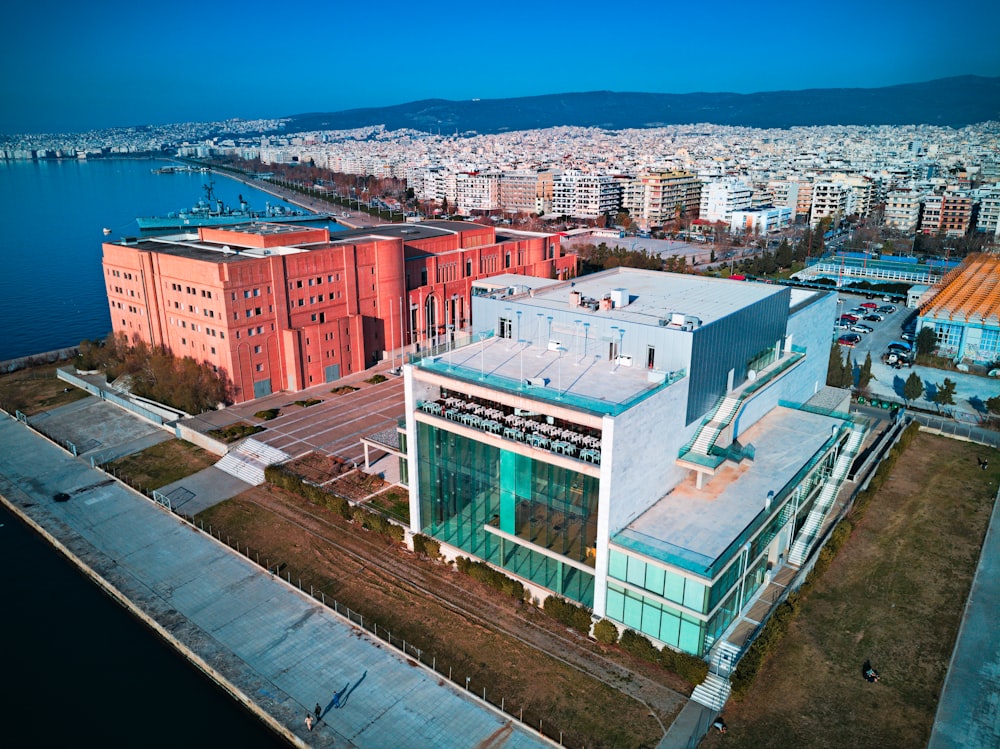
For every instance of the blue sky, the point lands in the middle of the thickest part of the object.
(68, 67)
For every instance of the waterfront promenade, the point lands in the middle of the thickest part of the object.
(274, 648)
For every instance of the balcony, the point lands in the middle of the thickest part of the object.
(534, 430)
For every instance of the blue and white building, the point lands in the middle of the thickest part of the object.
(653, 446)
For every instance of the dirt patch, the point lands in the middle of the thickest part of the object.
(460, 626)
(316, 468)
(36, 389)
(357, 485)
(162, 464)
(895, 595)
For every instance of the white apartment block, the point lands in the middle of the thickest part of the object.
(989, 212)
(833, 199)
(720, 199)
(760, 221)
(583, 195)
(475, 191)
(902, 209)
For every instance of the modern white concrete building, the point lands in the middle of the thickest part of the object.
(650, 445)
(719, 199)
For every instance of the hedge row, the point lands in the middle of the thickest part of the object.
(776, 626)
(485, 574)
(576, 617)
(690, 668)
(283, 478)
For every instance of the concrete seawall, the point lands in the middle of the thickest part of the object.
(273, 648)
(149, 621)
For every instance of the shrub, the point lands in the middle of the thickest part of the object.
(307, 403)
(343, 389)
(485, 574)
(576, 617)
(426, 545)
(235, 432)
(605, 631)
(268, 414)
(690, 668)
(639, 646)
(376, 379)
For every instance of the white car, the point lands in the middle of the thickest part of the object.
(859, 328)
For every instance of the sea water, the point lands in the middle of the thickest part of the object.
(52, 291)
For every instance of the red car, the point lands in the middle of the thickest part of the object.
(869, 305)
(851, 340)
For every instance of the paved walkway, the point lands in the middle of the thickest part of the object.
(274, 648)
(968, 714)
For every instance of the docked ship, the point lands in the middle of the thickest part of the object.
(211, 211)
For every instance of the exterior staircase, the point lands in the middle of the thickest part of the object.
(720, 420)
(248, 460)
(714, 691)
(814, 522)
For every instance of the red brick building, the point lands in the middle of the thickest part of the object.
(283, 307)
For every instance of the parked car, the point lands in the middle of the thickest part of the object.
(858, 311)
(909, 337)
(851, 339)
(869, 305)
(859, 328)
(900, 346)
(849, 318)
(886, 309)
(873, 317)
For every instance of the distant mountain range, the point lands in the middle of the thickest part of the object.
(954, 102)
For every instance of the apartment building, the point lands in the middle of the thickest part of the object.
(530, 449)
(283, 307)
(720, 198)
(988, 220)
(902, 209)
(956, 213)
(760, 221)
(528, 191)
(669, 196)
(477, 192)
(583, 195)
(831, 199)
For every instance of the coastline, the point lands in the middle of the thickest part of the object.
(89, 570)
(271, 646)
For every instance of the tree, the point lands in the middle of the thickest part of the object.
(945, 395)
(913, 388)
(784, 254)
(865, 375)
(926, 341)
(993, 405)
(838, 374)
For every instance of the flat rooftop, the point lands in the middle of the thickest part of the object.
(654, 295)
(691, 527)
(585, 381)
(191, 246)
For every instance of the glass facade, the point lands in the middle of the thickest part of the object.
(652, 618)
(466, 484)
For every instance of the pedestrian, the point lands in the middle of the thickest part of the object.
(309, 721)
(319, 711)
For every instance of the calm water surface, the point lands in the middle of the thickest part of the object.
(51, 286)
(79, 670)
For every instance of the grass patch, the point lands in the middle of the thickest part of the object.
(163, 464)
(590, 713)
(36, 389)
(394, 502)
(895, 595)
(268, 414)
(235, 432)
(376, 379)
(307, 403)
(343, 389)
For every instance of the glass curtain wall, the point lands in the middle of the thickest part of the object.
(466, 484)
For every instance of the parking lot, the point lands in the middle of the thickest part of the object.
(971, 392)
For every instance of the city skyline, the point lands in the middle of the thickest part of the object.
(121, 65)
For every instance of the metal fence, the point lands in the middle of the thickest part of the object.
(528, 717)
(105, 394)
